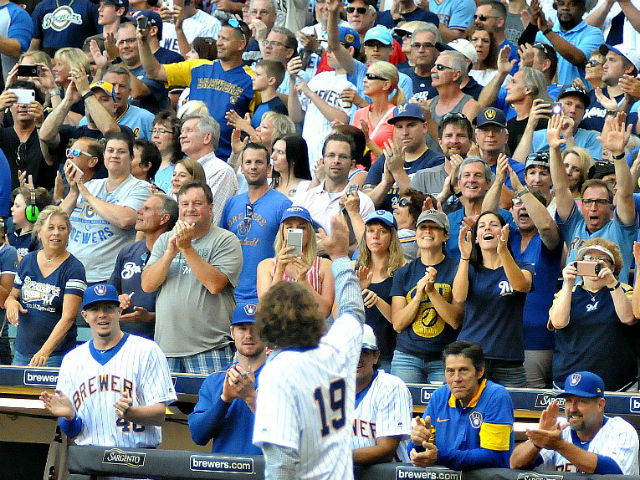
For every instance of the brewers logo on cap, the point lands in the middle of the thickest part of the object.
(490, 114)
(575, 379)
(476, 419)
(402, 108)
(250, 309)
(100, 290)
(349, 38)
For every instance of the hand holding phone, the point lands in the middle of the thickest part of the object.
(588, 269)
(294, 239)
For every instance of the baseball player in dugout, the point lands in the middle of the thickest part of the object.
(112, 390)
(382, 423)
(306, 399)
(593, 443)
(226, 402)
(468, 422)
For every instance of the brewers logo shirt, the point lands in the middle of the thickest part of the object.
(66, 25)
(221, 90)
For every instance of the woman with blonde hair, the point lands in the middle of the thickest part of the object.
(380, 82)
(577, 162)
(46, 295)
(64, 61)
(379, 256)
(306, 268)
(591, 318)
(186, 170)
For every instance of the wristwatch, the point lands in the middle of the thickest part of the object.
(523, 191)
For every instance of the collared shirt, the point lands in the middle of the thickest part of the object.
(584, 37)
(221, 179)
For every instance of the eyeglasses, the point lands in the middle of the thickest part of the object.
(426, 46)
(238, 25)
(601, 202)
(402, 33)
(76, 152)
(373, 76)
(127, 41)
(593, 258)
(375, 44)
(22, 150)
(454, 115)
(259, 12)
(593, 63)
(272, 43)
(160, 131)
(544, 47)
(539, 156)
(483, 18)
(360, 10)
(248, 216)
(441, 67)
(403, 202)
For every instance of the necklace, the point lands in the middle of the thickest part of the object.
(58, 3)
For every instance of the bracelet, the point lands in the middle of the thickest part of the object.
(546, 31)
(618, 157)
(611, 289)
(55, 93)
(88, 94)
(465, 259)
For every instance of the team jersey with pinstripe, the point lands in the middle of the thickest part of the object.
(95, 380)
(383, 409)
(306, 397)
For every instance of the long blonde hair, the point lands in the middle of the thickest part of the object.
(390, 72)
(395, 260)
(309, 252)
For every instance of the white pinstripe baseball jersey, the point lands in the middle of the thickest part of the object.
(93, 386)
(306, 401)
(384, 411)
(616, 439)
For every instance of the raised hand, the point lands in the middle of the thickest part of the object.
(504, 64)
(607, 102)
(364, 274)
(58, 404)
(465, 244)
(554, 136)
(503, 240)
(614, 136)
(570, 274)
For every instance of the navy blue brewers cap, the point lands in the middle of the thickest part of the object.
(154, 19)
(100, 292)
(491, 116)
(244, 313)
(571, 90)
(119, 3)
(583, 384)
(407, 110)
(297, 212)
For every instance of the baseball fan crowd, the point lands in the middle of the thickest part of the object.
(213, 182)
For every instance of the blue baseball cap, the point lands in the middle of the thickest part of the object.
(491, 116)
(379, 33)
(407, 110)
(119, 3)
(583, 384)
(100, 292)
(244, 313)
(349, 37)
(154, 19)
(382, 216)
(297, 212)
(572, 90)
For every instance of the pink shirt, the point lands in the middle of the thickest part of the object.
(380, 133)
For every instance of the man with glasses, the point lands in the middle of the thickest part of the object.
(280, 46)
(423, 54)
(406, 155)
(87, 154)
(19, 142)
(223, 84)
(254, 217)
(158, 214)
(492, 15)
(263, 16)
(598, 217)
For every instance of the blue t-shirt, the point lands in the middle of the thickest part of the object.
(455, 221)
(163, 177)
(427, 160)
(8, 266)
(587, 139)
(256, 234)
(157, 100)
(585, 38)
(221, 90)
(595, 340)
(427, 336)
(5, 185)
(43, 298)
(497, 329)
(66, 25)
(126, 275)
(538, 302)
(454, 13)
(477, 436)
(164, 56)
(23, 243)
(516, 167)
(574, 233)
(137, 119)
(273, 105)
(419, 15)
(422, 89)
(15, 23)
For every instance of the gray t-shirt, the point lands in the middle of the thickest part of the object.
(429, 180)
(513, 27)
(93, 240)
(189, 319)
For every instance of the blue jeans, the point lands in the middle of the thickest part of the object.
(23, 360)
(413, 369)
(507, 376)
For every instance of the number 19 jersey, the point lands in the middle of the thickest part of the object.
(306, 402)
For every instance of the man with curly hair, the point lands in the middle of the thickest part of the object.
(305, 404)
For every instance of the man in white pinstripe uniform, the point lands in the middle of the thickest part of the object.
(306, 397)
(382, 423)
(112, 390)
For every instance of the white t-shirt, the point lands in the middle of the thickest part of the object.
(200, 25)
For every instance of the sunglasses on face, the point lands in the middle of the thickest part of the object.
(404, 202)
(76, 152)
(360, 10)
(601, 202)
(482, 18)
(593, 63)
(373, 76)
(441, 67)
